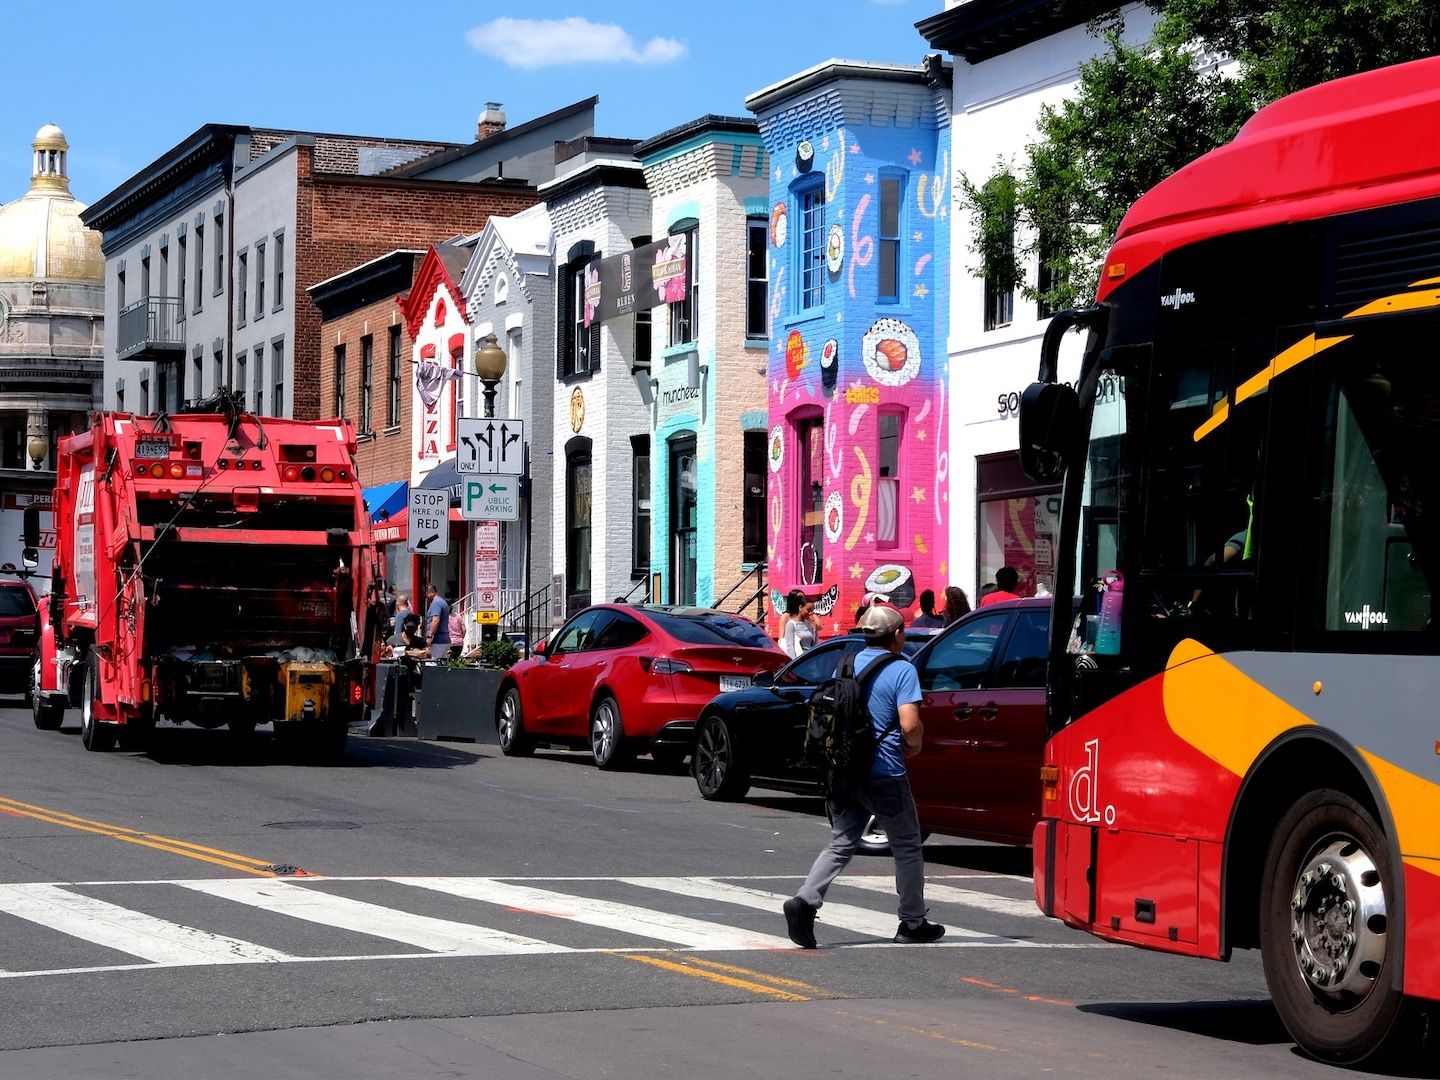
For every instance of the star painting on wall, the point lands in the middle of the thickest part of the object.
(917, 495)
(914, 157)
(921, 291)
(855, 571)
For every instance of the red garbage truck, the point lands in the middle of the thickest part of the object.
(211, 568)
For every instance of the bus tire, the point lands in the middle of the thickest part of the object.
(1327, 897)
(95, 734)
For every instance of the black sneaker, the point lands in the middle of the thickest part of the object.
(921, 933)
(800, 921)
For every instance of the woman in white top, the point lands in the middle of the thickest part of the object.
(799, 629)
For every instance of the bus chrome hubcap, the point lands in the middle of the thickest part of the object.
(1338, 921)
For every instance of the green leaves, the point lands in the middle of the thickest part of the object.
(1141, 113)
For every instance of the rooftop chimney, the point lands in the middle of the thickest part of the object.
(492, 121)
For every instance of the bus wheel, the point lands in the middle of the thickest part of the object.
(1328, 893)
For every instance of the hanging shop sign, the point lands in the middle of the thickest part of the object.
(636, 280)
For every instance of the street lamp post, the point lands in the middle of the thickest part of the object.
(38, 449)
(490, 366)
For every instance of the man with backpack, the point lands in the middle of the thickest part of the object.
(866, 722)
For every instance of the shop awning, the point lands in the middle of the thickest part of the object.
(389, 498)
(444, 477)
(397, 529)
(394, 530)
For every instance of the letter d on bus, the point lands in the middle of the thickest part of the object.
(1084, 804)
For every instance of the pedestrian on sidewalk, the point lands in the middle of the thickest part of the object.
(438, 623)
(893, 703)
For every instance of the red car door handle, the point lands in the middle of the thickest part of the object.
(963, 712)
(989, 712)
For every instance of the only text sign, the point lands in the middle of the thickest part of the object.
(490, 446)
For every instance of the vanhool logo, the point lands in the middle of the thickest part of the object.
(1365, 618)
(1177, 299)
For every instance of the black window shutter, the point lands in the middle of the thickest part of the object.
(594, 343)
(565, 339)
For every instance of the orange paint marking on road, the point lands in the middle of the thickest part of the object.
(997, 988)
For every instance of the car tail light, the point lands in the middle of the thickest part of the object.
(664, 666)
(292, 473)
(327, 474)
(356, 693)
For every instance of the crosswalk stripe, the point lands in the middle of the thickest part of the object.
(949, 894)
(343, 913)
(127, 931)
(841, 916)
(645, 922)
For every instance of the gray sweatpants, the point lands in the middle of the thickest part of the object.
(889, 799)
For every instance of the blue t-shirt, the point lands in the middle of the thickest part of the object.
(439, 607)
(897, 685)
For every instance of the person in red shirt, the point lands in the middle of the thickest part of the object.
(1007, 580)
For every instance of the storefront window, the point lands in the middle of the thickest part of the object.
(1019, 525)
(887, 487)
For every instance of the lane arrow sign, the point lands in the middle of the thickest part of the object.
(428, 541)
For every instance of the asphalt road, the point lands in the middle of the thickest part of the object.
(429, 910)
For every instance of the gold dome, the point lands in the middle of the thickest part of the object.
(41, 235)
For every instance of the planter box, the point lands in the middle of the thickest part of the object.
(458, 703)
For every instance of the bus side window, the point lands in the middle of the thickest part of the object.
(1374, 529)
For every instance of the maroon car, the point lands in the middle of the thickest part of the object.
(19, 635)
(625, 680)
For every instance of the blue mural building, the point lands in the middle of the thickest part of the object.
(859, 257)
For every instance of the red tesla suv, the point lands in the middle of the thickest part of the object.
(625, 680)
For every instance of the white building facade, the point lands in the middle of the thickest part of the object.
(1010, 61)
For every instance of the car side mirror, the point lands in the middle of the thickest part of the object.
(763, 678)
(542, 648)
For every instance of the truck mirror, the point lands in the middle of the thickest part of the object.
(1049, 415)
(30, 552)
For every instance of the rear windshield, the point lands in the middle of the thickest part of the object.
(15, 601)
(713, 630)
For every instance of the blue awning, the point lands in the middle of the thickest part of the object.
(390, 498)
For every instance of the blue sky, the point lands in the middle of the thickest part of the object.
(128, 81)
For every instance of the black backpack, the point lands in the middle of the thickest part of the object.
(840, 739)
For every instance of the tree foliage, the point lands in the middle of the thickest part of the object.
(1140, 113)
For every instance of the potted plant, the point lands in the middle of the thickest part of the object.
(457, 697)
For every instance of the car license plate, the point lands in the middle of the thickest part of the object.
(152, 449)
(733, 682)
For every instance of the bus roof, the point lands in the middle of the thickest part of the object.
(1351, 144)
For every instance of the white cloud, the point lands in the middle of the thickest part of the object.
(538, 43)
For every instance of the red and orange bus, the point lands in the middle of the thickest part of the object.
(1245, 710)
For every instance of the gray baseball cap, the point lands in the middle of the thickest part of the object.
(879, 621)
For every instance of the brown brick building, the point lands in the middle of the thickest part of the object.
(211, 249)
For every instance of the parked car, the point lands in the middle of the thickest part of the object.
(19, 636)
(625, 680)
(982, 682)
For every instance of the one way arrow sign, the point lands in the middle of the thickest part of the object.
(490, 445)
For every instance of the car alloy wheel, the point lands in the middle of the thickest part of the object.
(607, 735)
(510, 726)
(720, 770)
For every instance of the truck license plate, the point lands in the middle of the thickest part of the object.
(152, 449)
(733, 682)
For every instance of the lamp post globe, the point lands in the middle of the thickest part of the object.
(37, 448)
(490, 366)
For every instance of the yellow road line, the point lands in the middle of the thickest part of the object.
(227, 859)
(778, 980)
(714, 976)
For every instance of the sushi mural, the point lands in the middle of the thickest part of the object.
(859, 239)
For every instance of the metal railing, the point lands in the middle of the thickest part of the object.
(757, 597)
(643, 584)
(153, 325)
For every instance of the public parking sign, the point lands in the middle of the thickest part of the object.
(429, 522)
(490, 498)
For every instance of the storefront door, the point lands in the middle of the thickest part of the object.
(684, 512)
